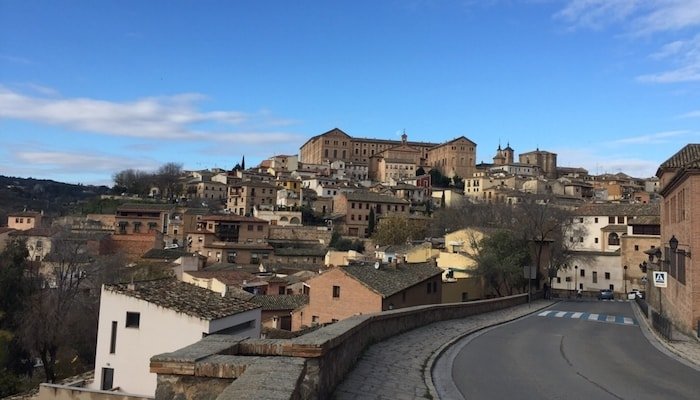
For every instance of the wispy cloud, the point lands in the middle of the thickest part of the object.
(643, 18)
(599, 162)
(175, 117)
(15, 59)
(596, 14)
(691, 114)
(654, 138)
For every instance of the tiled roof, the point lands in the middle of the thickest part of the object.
(145, 206)
(232, 218)
(388, 280)
(645, 220)
(184, 298)
(162, 254)
(4, 229)
(281, 302)
(617, 209)
(197, 211)
(685, 157)
(225, 277)
(363, 195)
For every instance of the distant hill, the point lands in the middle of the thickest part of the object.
(51, 197)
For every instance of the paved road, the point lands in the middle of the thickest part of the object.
(579, 350)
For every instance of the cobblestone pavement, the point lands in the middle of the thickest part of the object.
(397, 368)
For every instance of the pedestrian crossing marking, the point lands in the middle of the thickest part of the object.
(614, 319)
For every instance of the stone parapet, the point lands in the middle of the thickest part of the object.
(306, 367)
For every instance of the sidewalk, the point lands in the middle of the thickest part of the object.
(399, 368)
(684, 348)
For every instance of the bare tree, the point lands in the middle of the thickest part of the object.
(63, 307)
(168, 178)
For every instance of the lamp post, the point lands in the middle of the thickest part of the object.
(624, 278)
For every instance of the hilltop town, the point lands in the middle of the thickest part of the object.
(349, 226)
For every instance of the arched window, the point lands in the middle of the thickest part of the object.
(613, 239)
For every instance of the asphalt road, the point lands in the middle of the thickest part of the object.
(584, 357)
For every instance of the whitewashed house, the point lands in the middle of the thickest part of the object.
(142, 319)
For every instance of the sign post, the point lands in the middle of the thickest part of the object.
(660, 280)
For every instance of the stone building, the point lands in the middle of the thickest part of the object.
(546, 161)
(454, 158)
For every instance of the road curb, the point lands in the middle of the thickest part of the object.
(431, 362)
(658, 342)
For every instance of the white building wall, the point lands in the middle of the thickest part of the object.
(160, 330)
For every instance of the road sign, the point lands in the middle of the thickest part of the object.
(660, 279)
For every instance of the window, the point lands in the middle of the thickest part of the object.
(314, 319)
(612, 287)
(260, 228)
(558, 279)
(133, 319)
(595, 277)
(250, 227)
(107, 378)
(113, 338)
(636, 247)
(607, 275)
(595, 220)
(620, 220)
(611, 220)
(336, 291)
(580, 220)
(613, 239)
(595, 240)
(582, 273)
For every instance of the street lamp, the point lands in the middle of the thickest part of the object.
(673, 244)
(624, 277)
(576, 279)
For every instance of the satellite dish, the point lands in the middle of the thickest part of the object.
(376, 265)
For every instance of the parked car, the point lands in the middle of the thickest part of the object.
(606, 294)
(637, 293)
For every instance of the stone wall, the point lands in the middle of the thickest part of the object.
(306, 367)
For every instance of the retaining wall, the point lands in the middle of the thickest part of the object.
(306, 367)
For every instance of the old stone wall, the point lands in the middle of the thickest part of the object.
(306, 367)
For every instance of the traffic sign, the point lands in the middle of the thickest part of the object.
(660, 279)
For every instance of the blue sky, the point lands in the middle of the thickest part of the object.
(88, 88)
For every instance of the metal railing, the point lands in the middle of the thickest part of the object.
(661, 324)
(643, 306)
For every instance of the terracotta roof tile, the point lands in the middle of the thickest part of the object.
(690, 154)
(280, 302)
(184, 298)
(388, 280)
(617, 209)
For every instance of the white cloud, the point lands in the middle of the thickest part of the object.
(166, 117)
(645, 18)
(598, 162)
(653, 138)
(596, 14)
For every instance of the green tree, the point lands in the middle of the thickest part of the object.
(372, 224)
(398, 229)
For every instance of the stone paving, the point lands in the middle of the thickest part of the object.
(397, 368)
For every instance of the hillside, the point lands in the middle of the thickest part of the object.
(51, 197)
